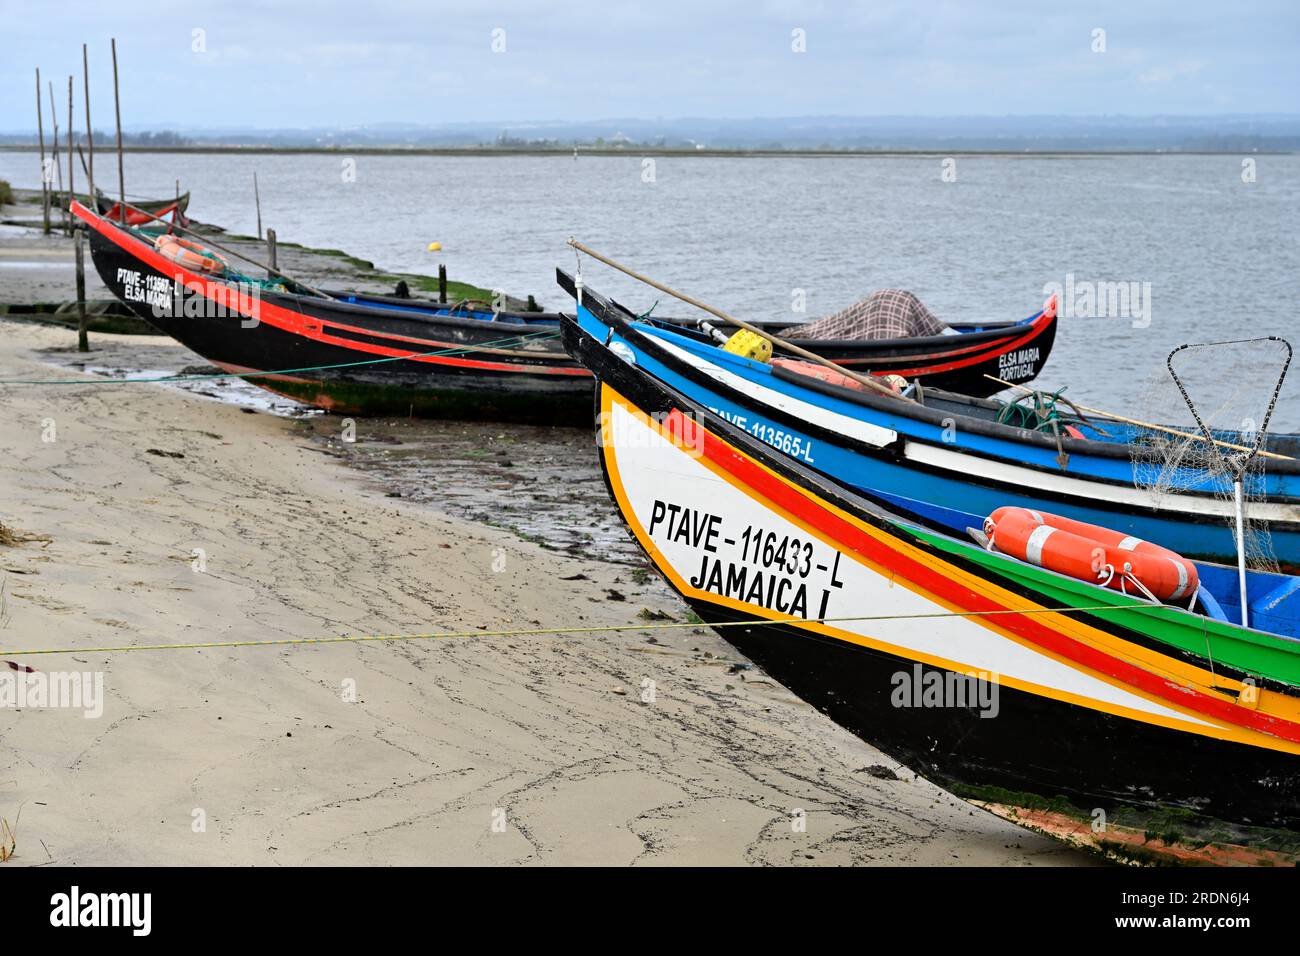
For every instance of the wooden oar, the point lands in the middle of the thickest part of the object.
(1141, 424)
(858, 377)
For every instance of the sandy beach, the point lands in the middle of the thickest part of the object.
(172, 518)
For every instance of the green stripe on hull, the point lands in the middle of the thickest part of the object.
(1254, 652)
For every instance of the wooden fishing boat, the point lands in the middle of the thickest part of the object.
(384, 355)
(1046, 698)
(108, 207)
(946, 457)
(1014, 351)
(352, 355)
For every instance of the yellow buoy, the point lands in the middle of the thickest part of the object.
(435, 247)
(749, 345)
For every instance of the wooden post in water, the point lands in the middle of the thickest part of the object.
(72, 192)
(257, 201)
(442, 282)
(90, 134)
(83, 340)
(117, 107)
(270, 255)
(45, 171)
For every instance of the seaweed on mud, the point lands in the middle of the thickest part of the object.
(11, 537)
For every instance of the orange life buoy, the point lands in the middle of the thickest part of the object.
(1091, 553)
(189, 254)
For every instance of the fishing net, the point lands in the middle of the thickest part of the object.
(1214, 402)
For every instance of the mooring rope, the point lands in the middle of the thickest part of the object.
(458, 350)
(555, 631)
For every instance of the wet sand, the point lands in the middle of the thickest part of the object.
(551, 738)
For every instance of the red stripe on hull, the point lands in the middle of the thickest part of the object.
(312, 329)
(792, 501)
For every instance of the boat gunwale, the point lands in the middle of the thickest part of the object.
(617, 316)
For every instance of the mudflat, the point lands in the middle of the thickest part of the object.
(158, 517)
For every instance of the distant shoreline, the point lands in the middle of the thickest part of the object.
(659, 151)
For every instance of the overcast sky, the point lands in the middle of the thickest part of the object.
(328, 63)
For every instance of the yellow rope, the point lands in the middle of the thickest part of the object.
(534, 632)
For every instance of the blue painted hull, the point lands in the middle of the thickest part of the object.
(951, 499)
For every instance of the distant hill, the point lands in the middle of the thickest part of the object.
(1225, 133)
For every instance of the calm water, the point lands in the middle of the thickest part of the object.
(1220, 255)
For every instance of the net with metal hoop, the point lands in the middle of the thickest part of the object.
(1212, 404)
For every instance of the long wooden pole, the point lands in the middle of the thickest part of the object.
(45, 172)
(858, 377)
(117, 107)
(1141, 424)
(72, 191)
(54, 152)
(257, 201)
(90, 133)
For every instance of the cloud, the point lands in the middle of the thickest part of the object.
(338, 62)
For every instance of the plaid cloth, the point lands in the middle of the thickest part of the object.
(886, 314)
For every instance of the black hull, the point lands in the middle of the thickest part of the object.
(1039, 751)
(522, 386)
(1035, 745)
(955, 363)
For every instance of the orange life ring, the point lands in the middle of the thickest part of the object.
(189, 254)
(1091, 553)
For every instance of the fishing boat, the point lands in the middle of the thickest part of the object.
(358, 353)
(141, 211)
(943, 456)
(1014, 350)
(350, 354)
(1141, 729)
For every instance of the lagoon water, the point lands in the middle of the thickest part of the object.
(1219, 255)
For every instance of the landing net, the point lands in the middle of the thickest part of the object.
(1215, 401)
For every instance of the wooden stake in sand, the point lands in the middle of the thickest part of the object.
(45, 173)
(858, 377)
(117, 107)
(83, 339)
(1141, 424)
